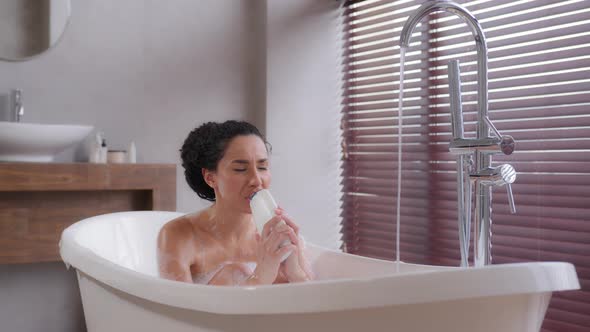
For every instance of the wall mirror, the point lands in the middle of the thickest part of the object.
(30, 27)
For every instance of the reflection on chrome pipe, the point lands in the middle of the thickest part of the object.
(463, 196)
(481, 243)
(455, 99)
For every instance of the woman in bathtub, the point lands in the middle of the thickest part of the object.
(226, 163)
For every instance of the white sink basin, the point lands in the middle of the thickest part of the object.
(34, 142)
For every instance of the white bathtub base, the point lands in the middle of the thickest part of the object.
(108, 309)
(115, 257)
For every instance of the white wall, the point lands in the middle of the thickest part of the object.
(59, 11)
(141, 70)
(303, 113)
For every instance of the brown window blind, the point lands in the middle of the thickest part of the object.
(539, 92)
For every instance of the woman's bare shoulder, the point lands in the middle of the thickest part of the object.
(180, 231)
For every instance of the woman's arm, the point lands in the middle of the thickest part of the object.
(175, 250)
(268, 259)
(271, 251)
(296, 267)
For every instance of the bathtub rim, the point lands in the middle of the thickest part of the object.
(320, 295)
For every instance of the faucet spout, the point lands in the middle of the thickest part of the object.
(480, 43)
(17, 104)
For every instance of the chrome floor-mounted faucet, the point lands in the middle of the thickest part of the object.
(478, 174)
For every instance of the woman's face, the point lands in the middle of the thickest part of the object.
(243, 170)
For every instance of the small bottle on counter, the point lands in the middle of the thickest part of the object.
(132, 153)
(95, 149)
(103, 152)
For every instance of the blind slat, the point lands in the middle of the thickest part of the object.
(507, 34)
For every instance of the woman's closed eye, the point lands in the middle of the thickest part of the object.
(244, 169)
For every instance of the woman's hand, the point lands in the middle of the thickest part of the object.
(296, 267)
(270, 251)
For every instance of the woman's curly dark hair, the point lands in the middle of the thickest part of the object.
(205, 146)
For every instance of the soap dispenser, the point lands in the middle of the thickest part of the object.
(132, 153)
(103, 151)
(95, 149)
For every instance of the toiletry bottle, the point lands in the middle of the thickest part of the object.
(263, 208)
(95, 149)
(132, 153)
(103, 151)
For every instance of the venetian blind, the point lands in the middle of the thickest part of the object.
(370, 116)
(539, 92)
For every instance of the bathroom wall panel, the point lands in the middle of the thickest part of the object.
(304, 113)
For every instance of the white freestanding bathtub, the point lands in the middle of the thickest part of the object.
(115, 259)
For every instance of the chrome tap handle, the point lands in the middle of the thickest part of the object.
(506, 141)
(507, 174)
(489, 122)
(499, 176)
(510, 198)
(496, 176)
(507, 144)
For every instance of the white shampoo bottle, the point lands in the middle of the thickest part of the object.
(263, 208)
(95, 149)
(132, 153)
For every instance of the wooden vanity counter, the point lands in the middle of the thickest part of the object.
(39, 200)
